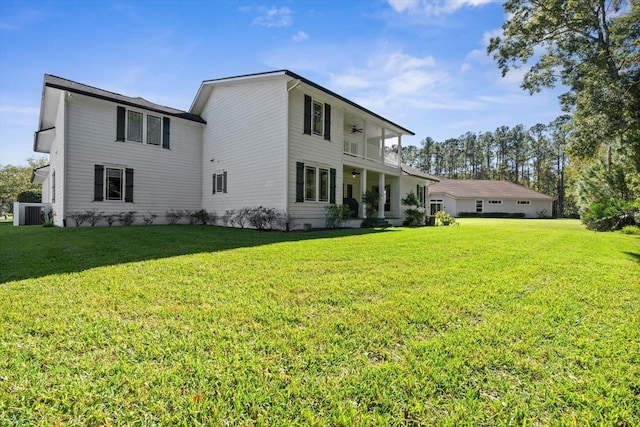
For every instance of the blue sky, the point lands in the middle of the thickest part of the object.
(419, 63)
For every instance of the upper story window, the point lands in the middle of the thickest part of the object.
(154, 130)
(136, 126)
(317, 118)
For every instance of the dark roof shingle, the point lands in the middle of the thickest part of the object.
(71, 86)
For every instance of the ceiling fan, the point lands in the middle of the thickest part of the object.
(354, 129)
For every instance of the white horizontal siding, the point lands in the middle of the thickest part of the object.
(246, 136)
(163, 179)
(313, 150)
(57, 163)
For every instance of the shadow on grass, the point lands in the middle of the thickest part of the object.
(633, 255)
(32, 252)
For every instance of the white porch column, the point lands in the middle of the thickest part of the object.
(363, 188)
(383, 196)
(400, 151)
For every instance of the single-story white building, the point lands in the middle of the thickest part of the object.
(472, 197)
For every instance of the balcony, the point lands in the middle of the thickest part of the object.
(371, 150)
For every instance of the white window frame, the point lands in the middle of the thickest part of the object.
(494, 202)
(123, 186)
(523, 202)
(481, 203)
(159, 129)
(53, 187)
(319, 104)
(323, 192)
(310, 185)
(144, 137)
(220, 182)
(438, 203)
(316, 186)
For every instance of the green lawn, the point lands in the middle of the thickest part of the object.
(492, 322)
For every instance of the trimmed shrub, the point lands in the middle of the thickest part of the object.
(443, 218)
(261, 218)
(148, 219)
(127, 218)
(174, 216)
(334, 215)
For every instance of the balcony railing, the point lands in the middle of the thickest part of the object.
(370, 151)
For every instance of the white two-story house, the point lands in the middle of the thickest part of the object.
(272, 139)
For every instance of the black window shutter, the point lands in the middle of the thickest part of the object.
(214, 184)
(327, 122)
(128, 193)
(120, 123)
(98, 183)
(299, 182)
(224, 181)
(166, 122)
(332, 176)
(307, 114)
(424, 196)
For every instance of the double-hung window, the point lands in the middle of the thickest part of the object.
(154, 130)
(136, 126)
(310, 183)
(113, 183)
(323, 178)
(219, 183)
(317, 118)
(315, 184)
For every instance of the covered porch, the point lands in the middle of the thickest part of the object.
(357, 180)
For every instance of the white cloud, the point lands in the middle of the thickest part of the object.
(300, 36)
(274, 17)
(434, 7)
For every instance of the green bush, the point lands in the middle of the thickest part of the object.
(414, 216)
(610, 215)
(30, 196)
(370, 200)
(335, 214)
(631, 229)
(443, 218)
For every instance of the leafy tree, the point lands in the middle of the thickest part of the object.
(591, 48)
(16, 179)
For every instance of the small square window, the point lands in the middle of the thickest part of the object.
(523, 202)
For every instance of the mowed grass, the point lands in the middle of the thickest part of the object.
(492, 322)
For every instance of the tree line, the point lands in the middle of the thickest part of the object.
(533, 157)
(592, 49)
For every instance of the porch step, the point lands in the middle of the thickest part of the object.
(381, 223)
